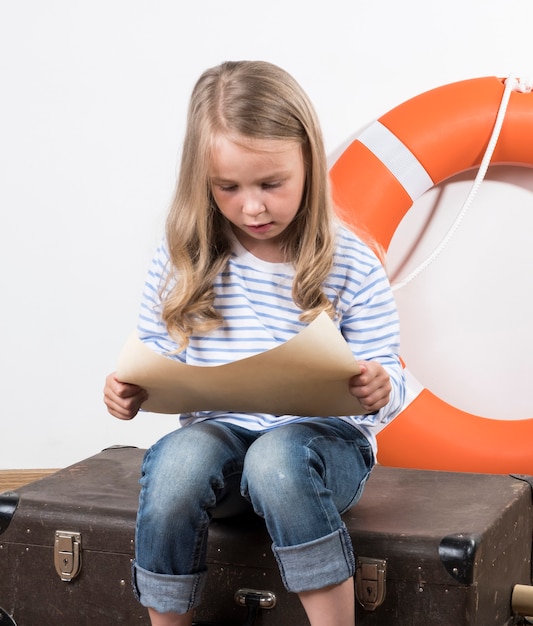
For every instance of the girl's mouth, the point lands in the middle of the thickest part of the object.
(259, 228)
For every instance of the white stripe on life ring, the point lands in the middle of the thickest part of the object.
(397, 157)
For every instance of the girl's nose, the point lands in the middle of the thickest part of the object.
(252, 205)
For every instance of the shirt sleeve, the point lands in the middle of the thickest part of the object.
(150, 327)
(370, 324)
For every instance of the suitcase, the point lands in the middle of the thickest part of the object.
(433, 548)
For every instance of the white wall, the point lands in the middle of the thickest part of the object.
(92, 110)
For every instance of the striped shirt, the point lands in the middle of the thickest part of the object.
(255, 300)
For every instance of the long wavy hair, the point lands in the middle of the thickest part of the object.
(247, 100)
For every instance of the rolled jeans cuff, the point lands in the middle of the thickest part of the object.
(317, 564)
(167, 592)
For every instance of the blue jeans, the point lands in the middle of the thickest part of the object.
(299, 477)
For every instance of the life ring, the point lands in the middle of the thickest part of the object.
(375, 181)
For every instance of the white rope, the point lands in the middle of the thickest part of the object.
(511, 84)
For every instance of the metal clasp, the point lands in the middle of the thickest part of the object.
(370, 579)
(67, 554)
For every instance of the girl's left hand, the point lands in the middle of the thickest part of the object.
(371, 386)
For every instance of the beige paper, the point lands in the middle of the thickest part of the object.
(308, 375)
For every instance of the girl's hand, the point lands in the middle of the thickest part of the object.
(371, 386)
(122, 399)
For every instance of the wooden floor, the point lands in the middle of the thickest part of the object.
(13, 479)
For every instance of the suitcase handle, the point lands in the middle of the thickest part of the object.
(250, 619)
(253, 600)
(6, 619)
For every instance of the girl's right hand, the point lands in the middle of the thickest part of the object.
(123, 400)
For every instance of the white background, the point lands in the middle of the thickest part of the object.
(92, 112)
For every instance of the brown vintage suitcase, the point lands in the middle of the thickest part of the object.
(433, 548)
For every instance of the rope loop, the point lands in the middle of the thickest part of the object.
(511, 84)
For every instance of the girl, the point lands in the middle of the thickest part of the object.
(252, 254)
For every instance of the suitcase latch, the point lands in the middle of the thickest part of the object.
(370, 578)
(67, 554)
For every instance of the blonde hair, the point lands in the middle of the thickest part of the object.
(256, 100)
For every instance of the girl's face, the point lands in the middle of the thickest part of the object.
(258, 186)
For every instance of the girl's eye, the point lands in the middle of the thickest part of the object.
(274, 185)
(228, 188)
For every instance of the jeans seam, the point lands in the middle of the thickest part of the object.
(316, 483)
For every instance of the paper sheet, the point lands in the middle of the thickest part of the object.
(308, 375)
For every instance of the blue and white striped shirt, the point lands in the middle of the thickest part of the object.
(255, 300)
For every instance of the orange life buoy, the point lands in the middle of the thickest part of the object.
(375, 181)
